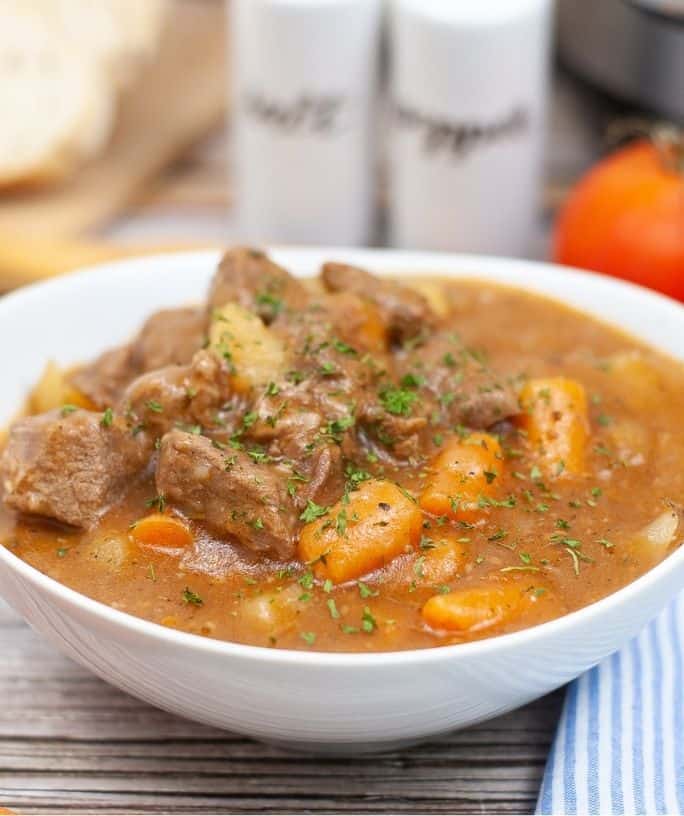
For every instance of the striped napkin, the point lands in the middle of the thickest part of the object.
(619, 748)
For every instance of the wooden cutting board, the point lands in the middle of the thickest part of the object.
(177, 99)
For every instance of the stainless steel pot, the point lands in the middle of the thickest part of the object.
(633, 49)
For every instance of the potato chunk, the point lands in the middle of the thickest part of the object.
(255, 353)
(654, 540)
(363, 532)
(555, 419)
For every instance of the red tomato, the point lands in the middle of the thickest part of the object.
(626, 218)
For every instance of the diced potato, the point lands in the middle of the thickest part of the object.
(48, 392)
(555, 418)
(256, 354)
(375, 524)
(433, 292)
(476, 608)
(638, 381)
(53, 391)
(110, 550)
(631, 440)
(273, 612)
(654, 540)
(465, 470)
(159, 530)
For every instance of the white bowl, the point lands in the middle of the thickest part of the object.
(335, 703)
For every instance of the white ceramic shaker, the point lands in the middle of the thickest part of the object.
(468, 89)
(305, 83)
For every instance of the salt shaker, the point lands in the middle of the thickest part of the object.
(468, 88)
(305, 81)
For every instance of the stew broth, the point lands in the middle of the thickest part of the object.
(543, 540)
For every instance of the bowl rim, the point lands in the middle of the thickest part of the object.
(311, 657)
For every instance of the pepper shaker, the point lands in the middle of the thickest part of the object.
(468, 88)
(305, 74)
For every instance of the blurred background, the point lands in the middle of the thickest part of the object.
(511, 127)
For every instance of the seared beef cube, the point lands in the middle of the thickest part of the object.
(104, 380)
(169, 337)
(70, 468)
(467, 390)
(189, 395)
(394, 438)
(229, 492)
(405, 312)
(249, 277)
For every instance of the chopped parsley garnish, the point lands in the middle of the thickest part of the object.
(397, 401)
(365, 591)
(411, 380)
(307, 580)
(312, 511)
(308, 637)
(341, 522)
(158, 501)
(332, 608)
(336, 427)
(154, 406)
(191, 597)
(62, 551)
(274, 305)
(368, 622)
(67, 409)
(343, 348)
(107, 418)
(258, 457)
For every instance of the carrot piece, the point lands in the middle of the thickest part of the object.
(555, 419)
(476, 608)
(445, 558)
(158, 530)
(362, 532)
(465, 470)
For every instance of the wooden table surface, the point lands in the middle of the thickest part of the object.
(70, 743)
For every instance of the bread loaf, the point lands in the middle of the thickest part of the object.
(62, 66)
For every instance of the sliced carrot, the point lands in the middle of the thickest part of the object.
(476, 608)
(555, 419)
(464, 471)
(361, 533)
(159, 530)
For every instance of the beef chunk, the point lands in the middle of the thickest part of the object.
(169, 337)
(466, 390)
(405, 312)
(249, 277)
(198, 394)
(104, 380)
(70, 468)
(229, 492)
(394, 438)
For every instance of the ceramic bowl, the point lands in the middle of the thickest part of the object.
(328, 703)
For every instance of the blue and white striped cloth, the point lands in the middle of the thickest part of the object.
(619, 748)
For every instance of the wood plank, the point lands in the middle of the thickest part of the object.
(71, 743)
